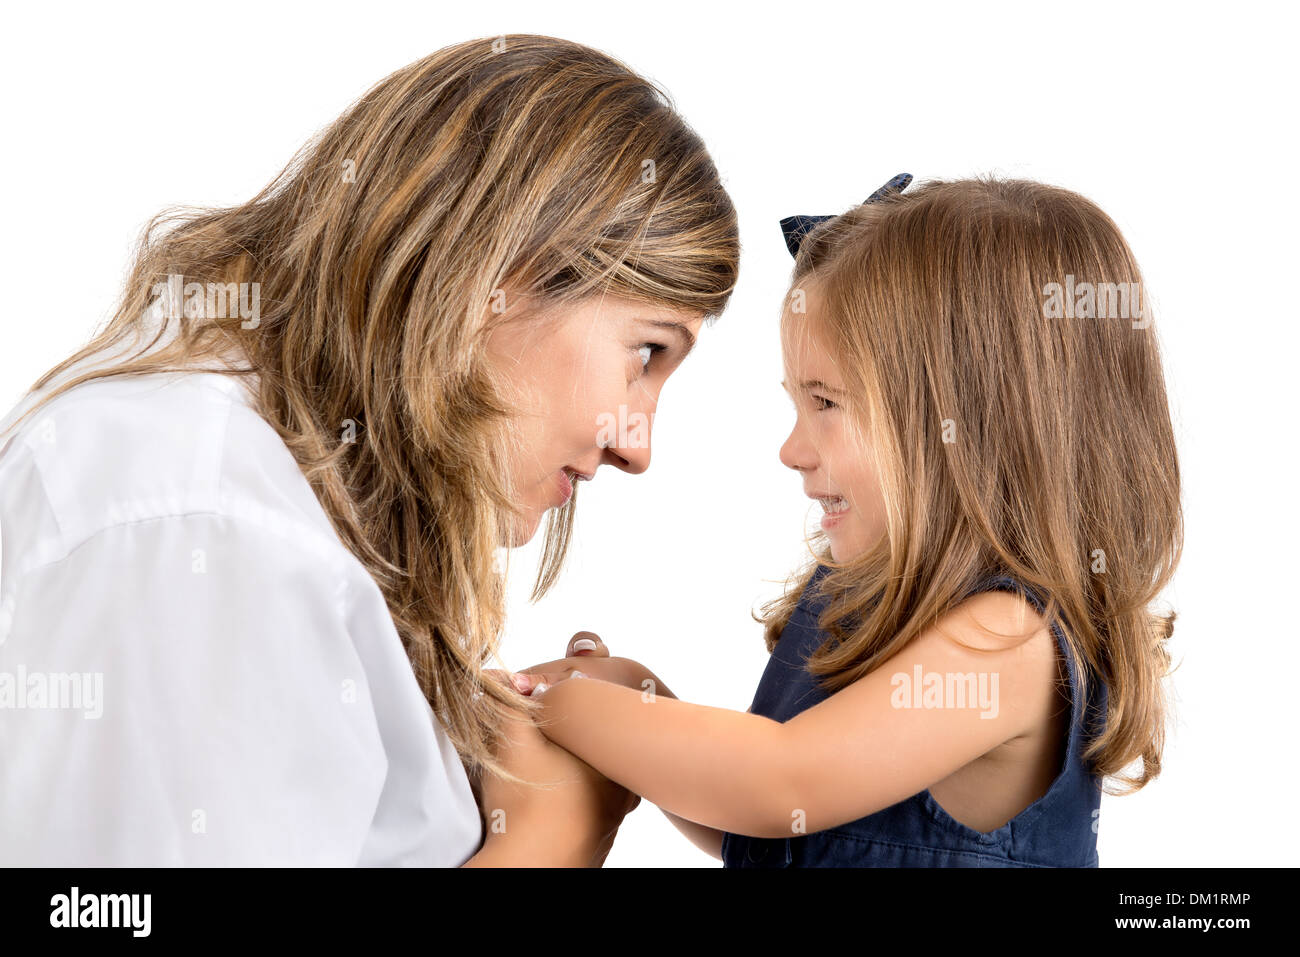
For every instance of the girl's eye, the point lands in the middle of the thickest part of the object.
(821, 404)
(646, 350)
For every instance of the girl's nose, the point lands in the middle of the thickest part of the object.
(797, 454)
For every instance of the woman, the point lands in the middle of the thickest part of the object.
(294, 452)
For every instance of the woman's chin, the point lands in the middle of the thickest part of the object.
(522, 530)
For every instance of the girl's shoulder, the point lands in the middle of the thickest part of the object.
(1000, 615)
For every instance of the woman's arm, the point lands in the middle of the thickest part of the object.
(861, 750)
(547, 843)
(221, 728)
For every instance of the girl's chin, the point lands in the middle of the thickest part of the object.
(842, 551)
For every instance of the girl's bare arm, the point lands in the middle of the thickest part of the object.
(861, 750)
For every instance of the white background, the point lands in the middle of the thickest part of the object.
(1178, 120)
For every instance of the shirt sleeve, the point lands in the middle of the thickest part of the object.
(184, 691)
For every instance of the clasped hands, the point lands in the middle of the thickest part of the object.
(586, 656)
(573, 820)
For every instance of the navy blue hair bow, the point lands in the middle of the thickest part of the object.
(796, 227)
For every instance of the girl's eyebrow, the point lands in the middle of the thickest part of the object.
(688, 340)
(817, 384)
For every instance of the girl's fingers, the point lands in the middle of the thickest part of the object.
(520, 681)
(534, 682)
(540, 681)
(586, 643)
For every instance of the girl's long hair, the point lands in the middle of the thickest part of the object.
(495, 179)
(1011, 436)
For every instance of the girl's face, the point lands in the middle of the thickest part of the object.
(588, 382)
(821, 447)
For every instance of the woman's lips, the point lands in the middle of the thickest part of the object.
(565, 485)
(565, 480)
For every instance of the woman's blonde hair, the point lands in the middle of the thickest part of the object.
(497, 172)
(1008, 438)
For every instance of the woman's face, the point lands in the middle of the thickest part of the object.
(822, 448)
(587, 381)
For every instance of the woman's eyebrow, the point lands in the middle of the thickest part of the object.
(688, 339)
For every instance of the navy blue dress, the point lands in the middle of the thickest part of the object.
(1057, 830)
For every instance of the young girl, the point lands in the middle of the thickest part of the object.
(981, 413)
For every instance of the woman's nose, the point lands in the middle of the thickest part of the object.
(626, 441)
(632, 457)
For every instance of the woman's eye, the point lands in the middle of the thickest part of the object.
(821, 404)
(646, 350)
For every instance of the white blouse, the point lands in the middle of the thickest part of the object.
(193, 669)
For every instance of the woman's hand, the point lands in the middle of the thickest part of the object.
(587, 656)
